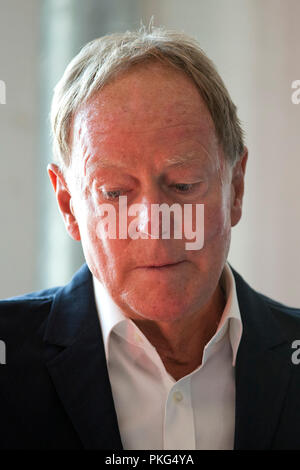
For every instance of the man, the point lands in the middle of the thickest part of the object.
(151, 345)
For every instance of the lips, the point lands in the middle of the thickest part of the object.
(162, 265)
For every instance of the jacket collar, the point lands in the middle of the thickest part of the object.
(72, 310)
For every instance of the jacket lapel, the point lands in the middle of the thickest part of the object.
(262, 371)
(76, 362)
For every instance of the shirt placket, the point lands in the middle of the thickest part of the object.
(179, 427)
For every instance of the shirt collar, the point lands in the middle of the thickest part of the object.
(113, 319)
(231, 318)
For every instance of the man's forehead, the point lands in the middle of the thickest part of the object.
(124, 142)
(130, 115)
(167, 147)
(171, 146)
(95, 119)
(147, 95)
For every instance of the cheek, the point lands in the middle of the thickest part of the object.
(216, 223)
(106, 257)
(217, 226)
(87, 220)
(217, 233)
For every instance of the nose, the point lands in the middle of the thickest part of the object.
(150, 223)
(152, 213)
(144, 217)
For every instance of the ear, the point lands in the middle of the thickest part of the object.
(64, 200)
(237, 187)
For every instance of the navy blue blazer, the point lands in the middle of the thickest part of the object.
(55, 391)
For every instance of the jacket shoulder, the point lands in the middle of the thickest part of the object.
(252, 300)
(20, 314)
(36, 295)
(287, 317)
(280, 307)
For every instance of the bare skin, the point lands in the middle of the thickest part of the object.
(184, 352)
(125, 141)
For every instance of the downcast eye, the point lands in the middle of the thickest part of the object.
(183, 187)
(112, 194)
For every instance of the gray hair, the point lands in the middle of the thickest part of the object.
(103, 58)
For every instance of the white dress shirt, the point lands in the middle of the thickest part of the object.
(154, 410)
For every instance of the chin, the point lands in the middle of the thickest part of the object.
(166, 294)
(164, 313)
(165, 305)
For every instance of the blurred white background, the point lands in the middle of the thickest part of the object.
(255, 46)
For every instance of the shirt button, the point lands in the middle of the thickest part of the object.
(138, 338)
(177, 396)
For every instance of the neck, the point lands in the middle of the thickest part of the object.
(180, 344)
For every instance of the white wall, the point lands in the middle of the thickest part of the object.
(18, 145)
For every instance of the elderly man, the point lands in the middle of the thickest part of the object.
(151, 345)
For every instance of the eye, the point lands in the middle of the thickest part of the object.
(111, 195)
(183, 187)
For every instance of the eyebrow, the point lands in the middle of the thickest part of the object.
(175, 161)
(102, 161)
(180, 160)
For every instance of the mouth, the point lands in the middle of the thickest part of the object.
(160, 266)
